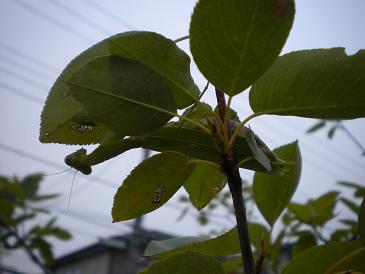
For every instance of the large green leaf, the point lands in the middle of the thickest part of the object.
(362, 222)
(272, 194)
(151, 49)
(204, 183)
(223, 245)
(354, 261)
(234, 42)
(57, 125)
(163, 56)
(127, 96)
(317, 260)
(319, 83)
(150, 185)
(316, 212)
(186, 263)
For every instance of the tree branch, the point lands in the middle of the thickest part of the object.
(229, 166)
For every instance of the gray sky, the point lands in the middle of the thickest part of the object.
(38, 38)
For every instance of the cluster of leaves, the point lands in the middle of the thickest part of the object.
(123, 92)
(19, 207)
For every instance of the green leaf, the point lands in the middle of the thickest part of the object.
(362, 222)
(30, 184)
(257, 233)
(319, 83)
(199, 145)
(359, 189)
(150, 185)
(44, 248)
(129, 97)
(316, 212)
(234, 42)
(354, 261)
(317, 260)
(186, 263)
(204, 183)
(305, 241)
(317, 126)
(163, 56)
(57, 125)
(233, 266)
(272, 194)
(351, 205)
(223, 245)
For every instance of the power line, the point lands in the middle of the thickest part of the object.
(29, 58)
(28, 68)
(109, 14)
(54, 21)
(81, 17)
(25, 78)
(21, 93)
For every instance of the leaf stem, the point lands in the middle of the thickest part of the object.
(181, 39)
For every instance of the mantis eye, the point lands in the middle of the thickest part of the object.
(77, 160)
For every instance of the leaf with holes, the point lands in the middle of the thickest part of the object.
(272, 194)
(186, 263)
(150, 185)
(204, 183)
(130, 98)
(234, 42)
(57, 120)
(57, 125)
(319, 83)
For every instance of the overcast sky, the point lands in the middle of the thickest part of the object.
(37, 40)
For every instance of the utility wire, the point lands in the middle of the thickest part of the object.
(80, 17)
(25, 78)
(108, 14)
(29, 58)
(41, 74)
(21, 93)
(39, 13)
